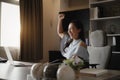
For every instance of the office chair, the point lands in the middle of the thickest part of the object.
(98, 52)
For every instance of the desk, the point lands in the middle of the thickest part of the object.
(110, 75)
(10, 72)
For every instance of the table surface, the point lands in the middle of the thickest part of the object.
(9, 72)
(110, 75)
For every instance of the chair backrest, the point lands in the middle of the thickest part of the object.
(99, 55)
(98, 52)
(97, 38)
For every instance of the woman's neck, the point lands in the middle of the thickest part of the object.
(76, 38)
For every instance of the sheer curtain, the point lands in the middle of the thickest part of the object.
(31, 44)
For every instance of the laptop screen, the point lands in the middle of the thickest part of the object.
(9, 56)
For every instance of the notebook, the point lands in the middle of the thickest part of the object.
(15, 63)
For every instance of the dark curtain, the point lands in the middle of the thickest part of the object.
(31, 47)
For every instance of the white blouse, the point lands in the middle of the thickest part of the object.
(74, 49)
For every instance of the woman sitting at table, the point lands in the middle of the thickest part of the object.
(72, 43)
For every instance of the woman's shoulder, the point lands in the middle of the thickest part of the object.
(83, 44)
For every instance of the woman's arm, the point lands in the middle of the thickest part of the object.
(60, 30)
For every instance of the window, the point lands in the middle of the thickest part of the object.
(10, 25)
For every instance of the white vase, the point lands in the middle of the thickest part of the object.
(65, 72)
(37, 70)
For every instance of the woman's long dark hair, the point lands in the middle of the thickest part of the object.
(78, 25)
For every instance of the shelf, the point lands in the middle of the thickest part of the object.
(100, 2)
(116, 52)
(106, 18)
(105, 15)
(110, 35)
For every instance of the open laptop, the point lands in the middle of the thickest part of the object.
(15, 63)
(3, 60)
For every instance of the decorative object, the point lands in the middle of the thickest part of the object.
(50, 70)
(36, 71)
(94, 13)
(75, 63)
(112, 28)
(97, 38)
(65, 72)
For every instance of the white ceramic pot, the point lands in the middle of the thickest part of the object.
(50, 70)
(65, 72)
(37, 70)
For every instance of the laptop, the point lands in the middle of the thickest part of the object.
(3, 60)
(15, 63)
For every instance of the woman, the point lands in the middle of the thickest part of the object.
(72, 43)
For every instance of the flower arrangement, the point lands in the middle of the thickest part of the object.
(75, 63)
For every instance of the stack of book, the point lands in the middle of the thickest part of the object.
(93, 72)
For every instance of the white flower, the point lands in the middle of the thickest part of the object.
(78, 60)
(75, 62)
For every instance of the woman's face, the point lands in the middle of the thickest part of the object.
(73, 31)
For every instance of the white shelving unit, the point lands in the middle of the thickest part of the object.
(92, 2)
(111, 35)
(105, 15)
(116, 52)
(106, 18)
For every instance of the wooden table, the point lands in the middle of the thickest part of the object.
(10, 72)
(110, 75)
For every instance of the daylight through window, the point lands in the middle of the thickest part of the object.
(10, 25)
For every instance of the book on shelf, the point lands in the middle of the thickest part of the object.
(93, 72)
(94, 13)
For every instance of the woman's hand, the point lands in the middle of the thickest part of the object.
(73, 56)
(61, 16)
(60, 30)
(77, 59)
